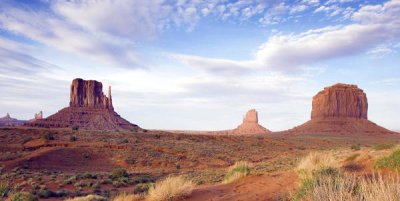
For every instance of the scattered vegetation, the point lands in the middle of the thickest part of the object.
(391, 162)
(22, 196)
(127, 197)
(141, 188)
(355, 147)
(237, 171)
(74, 128)
(88, 198)
(72, 138)
(314, 161)
(383, 146)
(327, 183)
(48, 136)
(352, 157)
(118, 173)
(5, 188)
(171, 188)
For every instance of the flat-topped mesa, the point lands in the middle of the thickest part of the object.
(340, 100)
(89, 93)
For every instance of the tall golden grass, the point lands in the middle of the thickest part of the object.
(323, 180)
(127, 197)
(88, 198)
(315, 161)
(169, 189)
(341, 188)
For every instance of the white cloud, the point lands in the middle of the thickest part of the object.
(311, 2)
(339, 1)
(298, 8)
(51, 31)
(331, 10)
(287, 53)
(380, 51)
(124, 17)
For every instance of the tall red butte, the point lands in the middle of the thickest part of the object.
(88, 109)
(340, 109)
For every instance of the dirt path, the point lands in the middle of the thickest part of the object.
(264, 187)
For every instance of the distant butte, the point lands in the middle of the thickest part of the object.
(88, 109)
(9, 121)
(340, 109)
(250, 125)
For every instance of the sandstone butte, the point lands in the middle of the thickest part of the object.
(250, 125)
(88, 109)
(9, 121)
(340, 109)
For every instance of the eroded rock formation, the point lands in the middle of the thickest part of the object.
(89, 93)
(9, 121)
(89, 109)
(250, 125)
(340, 100)
(340, 109)
(38, 115)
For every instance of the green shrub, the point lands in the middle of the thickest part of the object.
(88, 175)
(306, 187)
(125, 141)
(177, 137)
(72, 138)
(103, 139)
(85, 155)
(157, 136)
(238, 170)
(141, 188)
(391, 162)
(177, 166)
(47, 194)
(48, 136)
(106, 193)
(23, 196)
(355, 147)
(383, 146)
(5, 188)
(75, 128)
(118, 173)
(144, 179)
(318, 176)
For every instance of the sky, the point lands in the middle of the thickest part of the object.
(200, 64)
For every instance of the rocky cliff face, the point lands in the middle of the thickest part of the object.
(340, 109)
(340, 100)
(250, 125)
(89, 93)
(89, 109)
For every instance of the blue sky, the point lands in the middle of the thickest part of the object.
(200, 65)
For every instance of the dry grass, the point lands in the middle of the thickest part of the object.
(339, 188)
(128, 197)
(237, 171)
(315, 161)
(169, 189)
(88, 198)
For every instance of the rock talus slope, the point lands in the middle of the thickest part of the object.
(250, 125)
(340, 109)
(88, 108)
